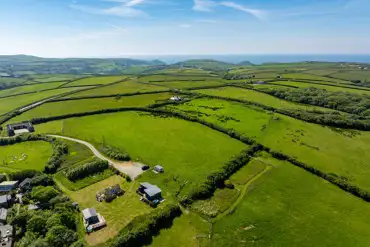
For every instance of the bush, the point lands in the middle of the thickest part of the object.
(44, 194)
(87, 170)
(115, 153)
(229, 184)
(22, 175)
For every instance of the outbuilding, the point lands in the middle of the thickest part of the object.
(25, 185)
(150, 192)
(5, 201)
(3, 215)
(7, 186)
(158, 169)
(90, 216)
(6, 236)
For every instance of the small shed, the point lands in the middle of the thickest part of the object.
(90, 216)
(158, 169)
(176, 98)
(150, 192)
(3, 215)
(6, 235)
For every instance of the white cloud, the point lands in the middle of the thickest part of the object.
(260, 14)
(125, 9)
(204, 5)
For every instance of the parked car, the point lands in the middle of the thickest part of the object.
(144, 168)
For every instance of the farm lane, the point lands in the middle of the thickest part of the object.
(129, 168)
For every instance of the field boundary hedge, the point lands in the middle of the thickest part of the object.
(141, 229)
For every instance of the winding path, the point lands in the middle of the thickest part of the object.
(131, 169)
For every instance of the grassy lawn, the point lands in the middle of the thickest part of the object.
(343, 152)
(30, 88)
(27, 155)
(96, 80)
(261, 98)
(189, 84)
(12, 103)
(118, 213)
(87, 105)
(82, 183)
(76, 153)
(290, 207)
(186, 230)
(120, 88)
(187, 151)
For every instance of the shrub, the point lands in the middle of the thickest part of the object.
(22, 175)
(87, 170)
(115, 153)
(229, 184)
(44, 194)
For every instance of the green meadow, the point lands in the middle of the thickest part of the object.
(166, 141)
(96, 80)
(12, 103)
(88, 105)
(120, 88)
(188, 84)
(312, 77)
(353, 75)
(261, 98)
(287, 206)
(30, 88)
(342, 152)
(25, 156)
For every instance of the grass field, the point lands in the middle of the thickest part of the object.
(184, 77)
(290, 207)
(353, 75)
(261, 98)
(343, 152)
(120, 88)
(117, 214)
(12, 103)
(96, 80)
(30, 88)
(312, 77)
(25, 156)
(327, 87)
(189, 84)
(54, 77)
(76, 153)
(87, 105)
(155, 140)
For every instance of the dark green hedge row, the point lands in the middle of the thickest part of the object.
(139, 231)
(115, 153)
(86, 170)
(59, 148)
(216, 179)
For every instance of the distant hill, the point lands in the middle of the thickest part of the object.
(19, 65)
(245, 63)
(206, 64)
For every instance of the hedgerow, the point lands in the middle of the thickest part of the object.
(86, 170)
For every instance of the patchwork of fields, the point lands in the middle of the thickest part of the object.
(231, 191)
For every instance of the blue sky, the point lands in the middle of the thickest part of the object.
(114, 28)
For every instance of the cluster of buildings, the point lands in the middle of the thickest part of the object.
(19, 128)
(6, 201)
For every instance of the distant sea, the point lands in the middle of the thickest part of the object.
(259, 59)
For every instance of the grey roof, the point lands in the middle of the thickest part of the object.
(4, 198)
(88, 213)
(146, 185)
(24, 182)
(6, 231)
(3, 214)
(152, 191)
(33, 207)
(7, 183)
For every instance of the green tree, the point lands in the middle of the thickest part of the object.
(44, 194)
(37, 224)
(60, 236)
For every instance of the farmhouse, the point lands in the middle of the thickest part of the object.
(7, 186)
(5, 201)
(6, 236)
(150, 193)
(17, 128)
(92, 220)
(158, 169)
(176, 98)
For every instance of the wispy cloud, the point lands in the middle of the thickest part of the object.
(204, 5)
(260, 14)
(185, 26)
(124, 9)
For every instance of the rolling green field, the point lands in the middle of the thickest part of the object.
(353, 75)
(30, 88)
(88, 105)
(96, 80)
(334, 151)
(12, 103)
(188, 84)
(168, 137)
(120, 88)
(312, 77)
(25, 156)
(289, 207)
(253, 96)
